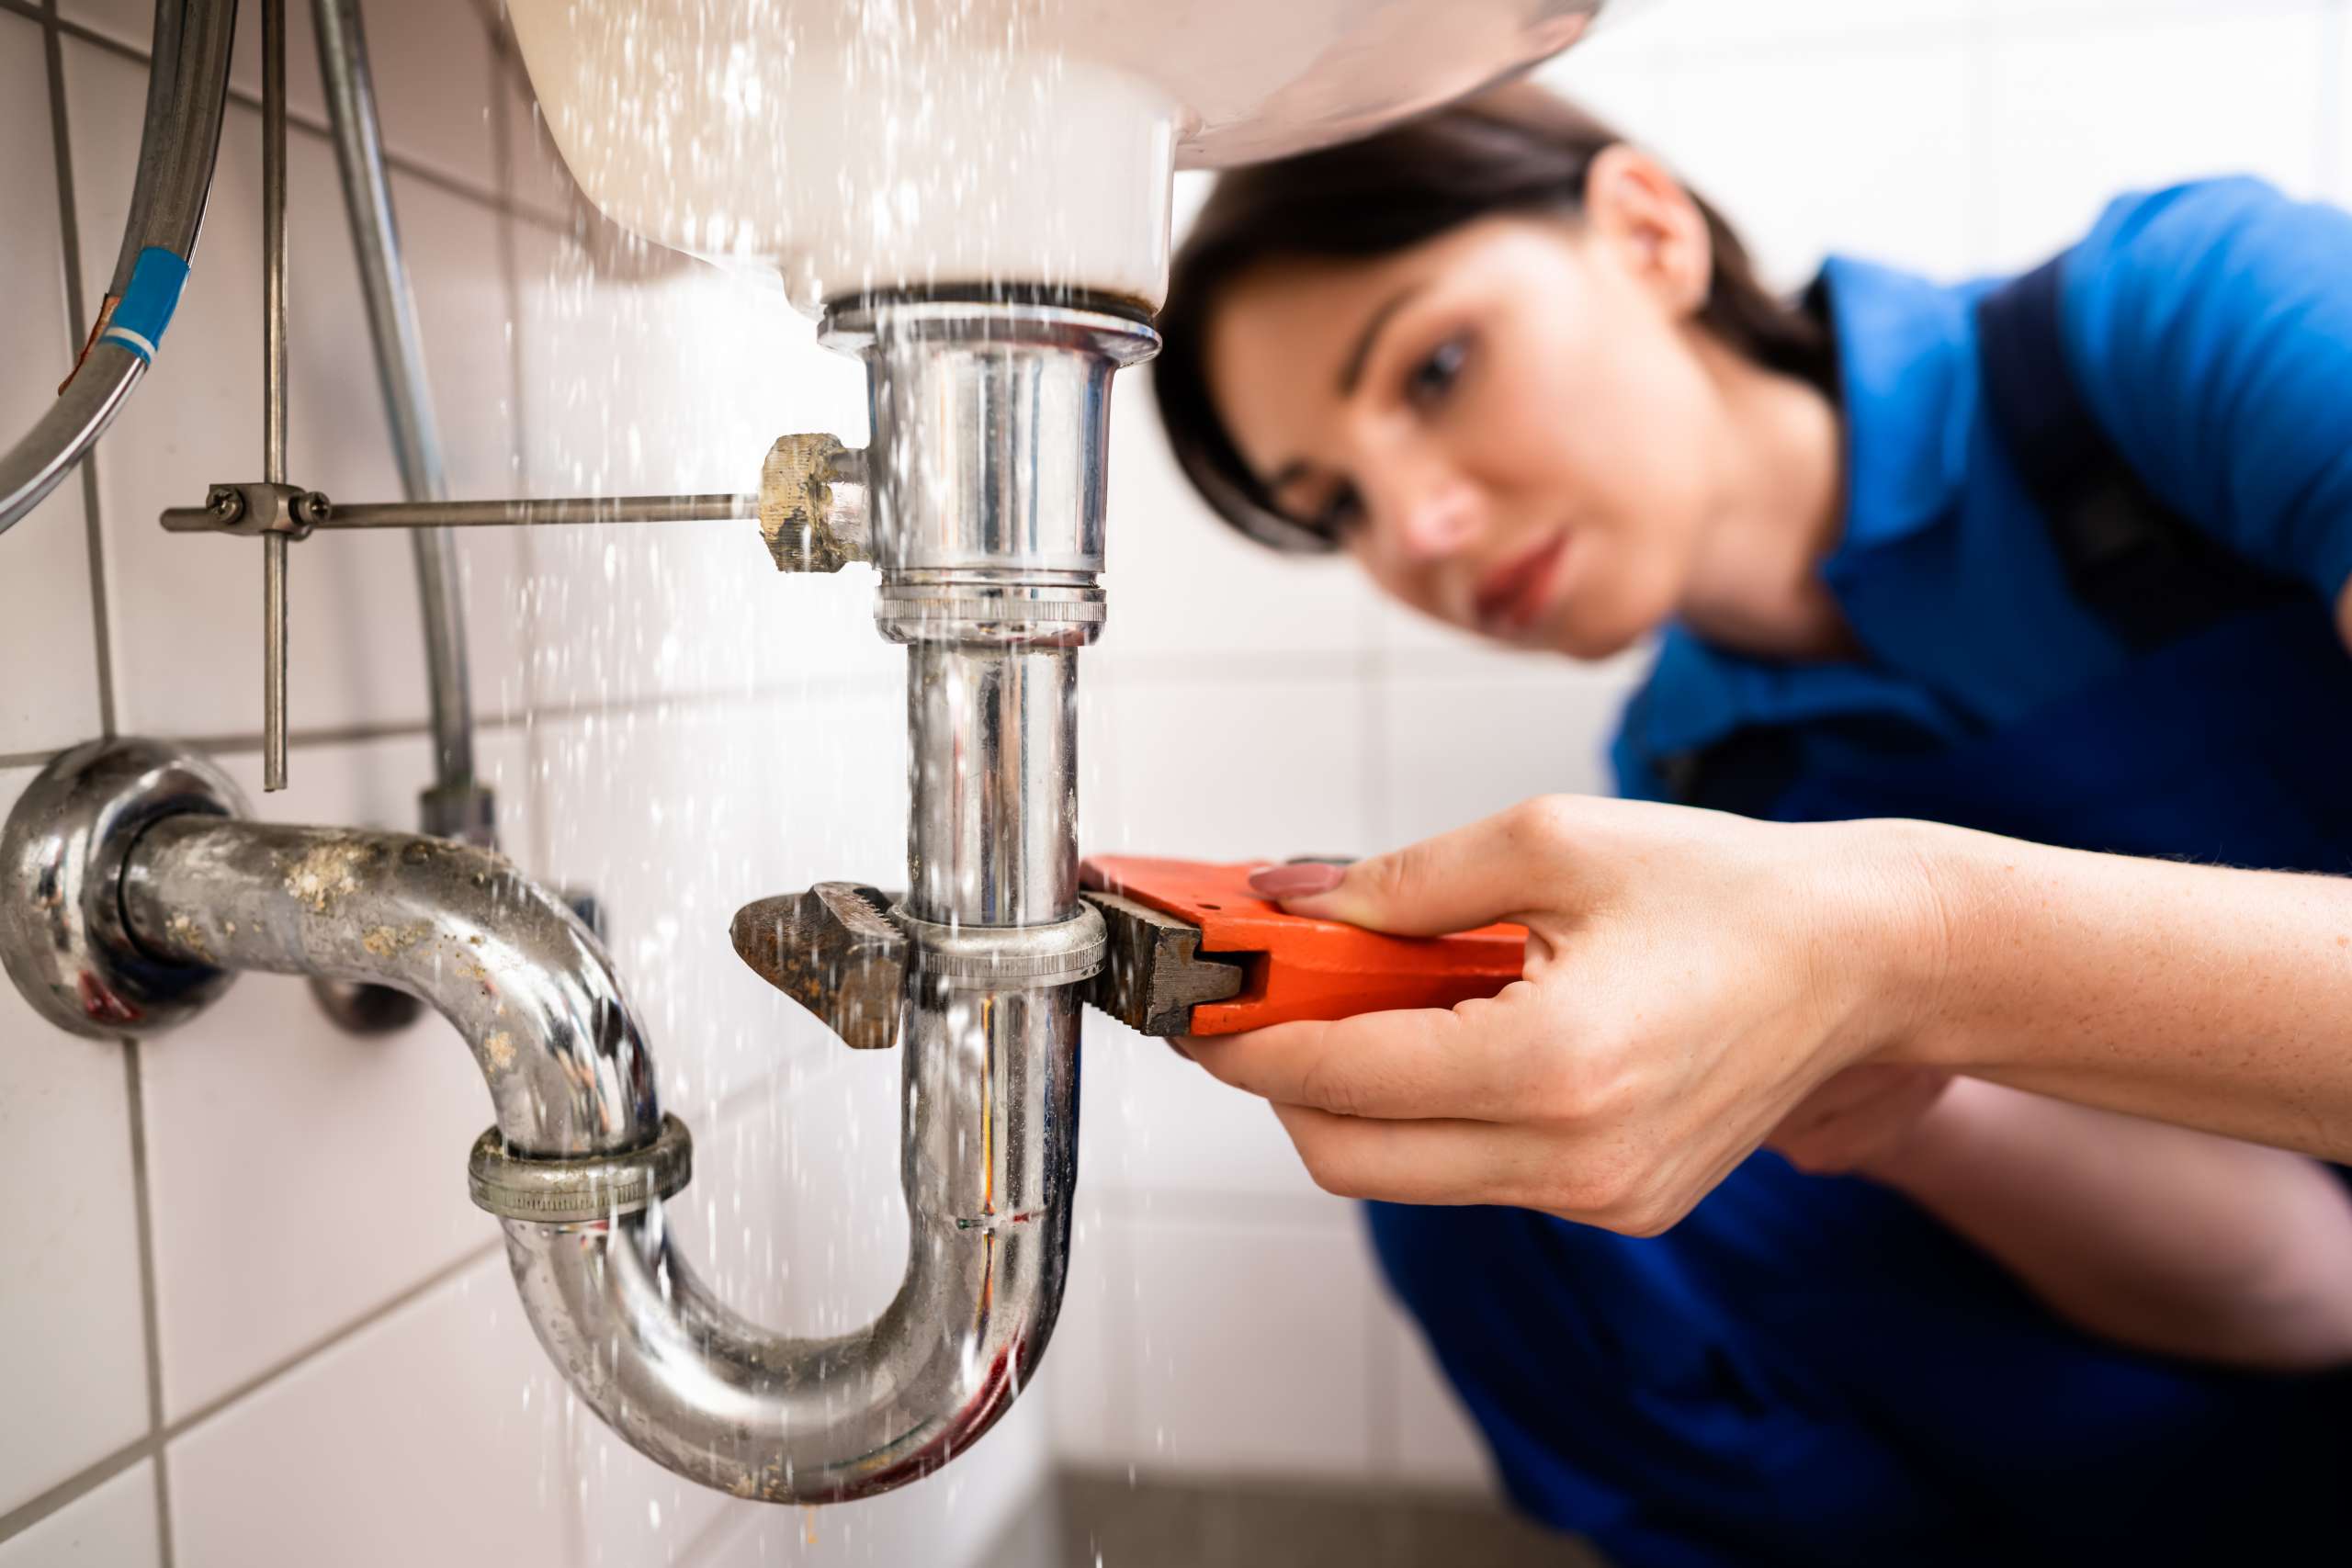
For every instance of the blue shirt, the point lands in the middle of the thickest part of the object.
(2210, 328)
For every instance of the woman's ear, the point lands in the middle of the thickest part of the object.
(1652, 225)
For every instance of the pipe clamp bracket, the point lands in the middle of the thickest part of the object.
(582, 1190)
(990, 956)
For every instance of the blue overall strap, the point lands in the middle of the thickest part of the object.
(2149, 573)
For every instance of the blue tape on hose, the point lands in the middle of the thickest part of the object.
(147, 302)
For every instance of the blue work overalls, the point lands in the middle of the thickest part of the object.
(1811, 1370)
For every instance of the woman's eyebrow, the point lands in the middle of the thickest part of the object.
(1352, 371)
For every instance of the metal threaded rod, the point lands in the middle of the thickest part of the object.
(713, 508)
(273, 441)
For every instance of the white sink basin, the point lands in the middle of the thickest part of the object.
(878, 145)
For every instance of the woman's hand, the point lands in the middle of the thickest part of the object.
(1693, 982)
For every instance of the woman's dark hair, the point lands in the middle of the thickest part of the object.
(1515, 149)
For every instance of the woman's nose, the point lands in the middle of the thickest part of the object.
(1438, 522)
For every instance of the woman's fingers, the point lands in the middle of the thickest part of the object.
(1482, 1060)
(1401, 1162)
(1582, 1178)
(1490, 871)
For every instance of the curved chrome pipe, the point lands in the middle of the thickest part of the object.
(712, 1397)
(505, 961)
(188, 93)
(989, 1123)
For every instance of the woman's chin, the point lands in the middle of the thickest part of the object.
(1589, 632)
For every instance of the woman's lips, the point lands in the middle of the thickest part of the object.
(1515, 593)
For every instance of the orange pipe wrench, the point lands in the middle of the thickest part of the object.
(1193, 951)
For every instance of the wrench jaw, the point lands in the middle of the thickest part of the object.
(836, 949)
(845, 951)
(1154, 974)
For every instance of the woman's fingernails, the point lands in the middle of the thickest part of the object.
(1295, 881)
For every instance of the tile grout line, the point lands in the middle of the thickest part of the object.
(150, 1318)
(342, 735)
(69, 234)
(242, 742)
(75, 1487)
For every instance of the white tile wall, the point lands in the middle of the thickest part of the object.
(444, 59)
(1158, 1132)
(1861, 149)
(1187, 597)
(1084, 1383)
(433, 60)
(1252, 1345)
(1223, 765)
(2211, 91)
(435, 1434)
(1455, 748)
(679, 728)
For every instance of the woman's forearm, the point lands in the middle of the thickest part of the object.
(2161, 1238)
(2197, 995)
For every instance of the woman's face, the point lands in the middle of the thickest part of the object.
(1509, 426)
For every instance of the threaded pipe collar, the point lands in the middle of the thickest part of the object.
(578, 1189)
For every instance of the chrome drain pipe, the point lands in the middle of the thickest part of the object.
(135, 890)
(132, 888)
(582, 1146)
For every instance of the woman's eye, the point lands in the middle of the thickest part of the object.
(1336, 516)
(1435, 377)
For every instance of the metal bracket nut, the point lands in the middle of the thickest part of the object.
(810, 526)
(570, 1191)
(251, 511)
